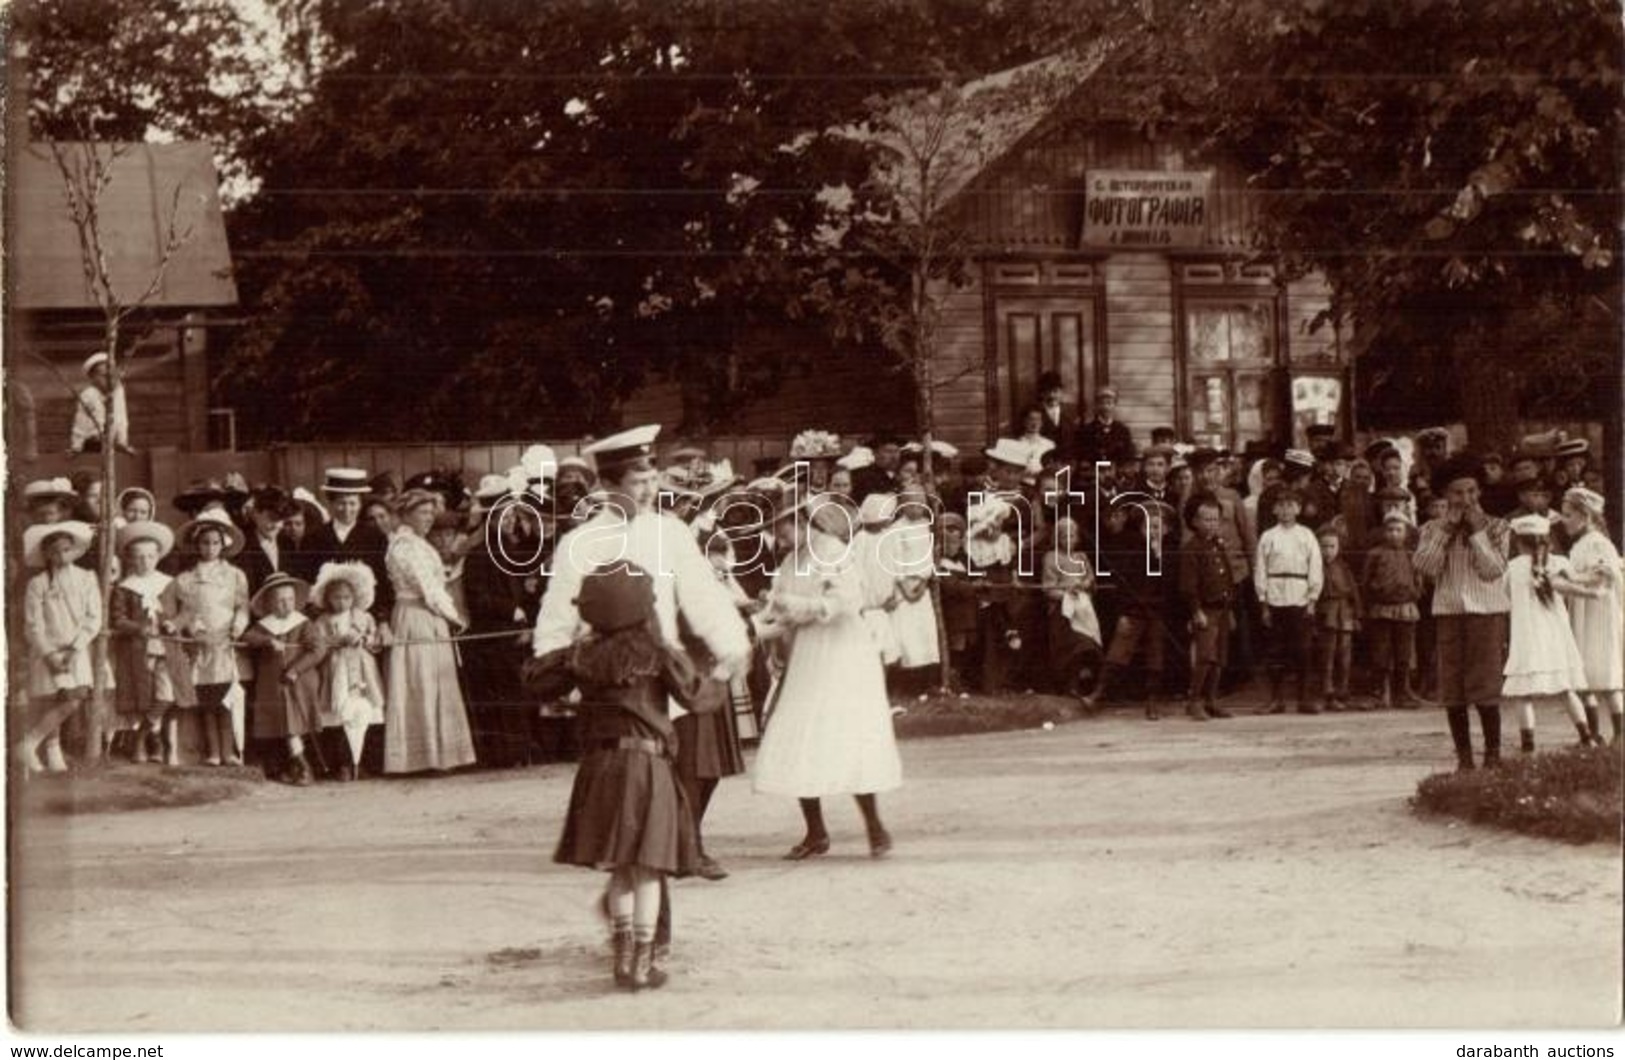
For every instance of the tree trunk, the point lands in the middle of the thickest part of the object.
(101, 698)
(1488, 393)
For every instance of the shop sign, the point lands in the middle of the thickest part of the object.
(1146, 208)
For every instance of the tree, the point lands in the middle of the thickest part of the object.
(1452, 168)
(87, 171)
(136, 70)
(538, 209)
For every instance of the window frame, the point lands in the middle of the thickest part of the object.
(1207, 281)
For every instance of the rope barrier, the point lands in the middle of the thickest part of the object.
(456, 638)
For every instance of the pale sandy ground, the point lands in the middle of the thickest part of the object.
(1262, 872)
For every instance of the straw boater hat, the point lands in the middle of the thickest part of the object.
(340, 480)
(49, 489)
(358, 576)
(1007, 451)
(35, 537)
(146, 530)
(214, 519)
(1300, 458)
(260, 603)
(125, 495)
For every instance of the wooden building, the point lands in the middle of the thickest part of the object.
(1111, 258)
(55, 323)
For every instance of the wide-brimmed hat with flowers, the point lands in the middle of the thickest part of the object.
(815, 445)
(35, 537)
(358, 576)
(213, 519)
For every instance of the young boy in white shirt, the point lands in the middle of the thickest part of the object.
(1288, 577)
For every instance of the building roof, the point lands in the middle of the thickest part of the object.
(136, 209)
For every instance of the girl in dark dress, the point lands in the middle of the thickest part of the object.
(628, 814)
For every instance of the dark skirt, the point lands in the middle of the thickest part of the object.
(708, 745)
(627, 810)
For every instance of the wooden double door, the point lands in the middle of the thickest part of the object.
(1037, 334)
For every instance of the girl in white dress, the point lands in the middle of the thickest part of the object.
(1598, 619)
(354, 693)
(915, 618)
(829, 731)
(1543, 661)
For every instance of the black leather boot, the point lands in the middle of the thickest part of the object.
(622, 942)
(1489, 719)
(1594, 723)
(1461, 735)
(1526, 741)
(645, 975)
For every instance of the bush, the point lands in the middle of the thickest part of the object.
(1572, 794)
(122, 789)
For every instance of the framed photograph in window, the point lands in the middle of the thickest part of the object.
(1317, 398)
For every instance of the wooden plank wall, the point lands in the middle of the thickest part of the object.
(961, 413)
(155, 376)
(1140, 341)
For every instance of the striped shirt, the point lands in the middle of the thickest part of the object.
(1468, 571)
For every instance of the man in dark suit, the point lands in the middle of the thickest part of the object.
(1060, 415)
(1104, 437)
(346, 538)
(881, 476)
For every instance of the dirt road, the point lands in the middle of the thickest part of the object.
(1111, 873)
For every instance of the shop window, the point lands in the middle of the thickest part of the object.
(1230, 350)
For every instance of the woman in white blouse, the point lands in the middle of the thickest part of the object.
(425, 718)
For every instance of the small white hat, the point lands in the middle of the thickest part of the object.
(1532, 525)
(860, 457)
(539, 463)
(99, 357)
(492, 488)
(1009, 451)
(1300, 457)
(128, 493)
(877, 508)
(49, 489)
